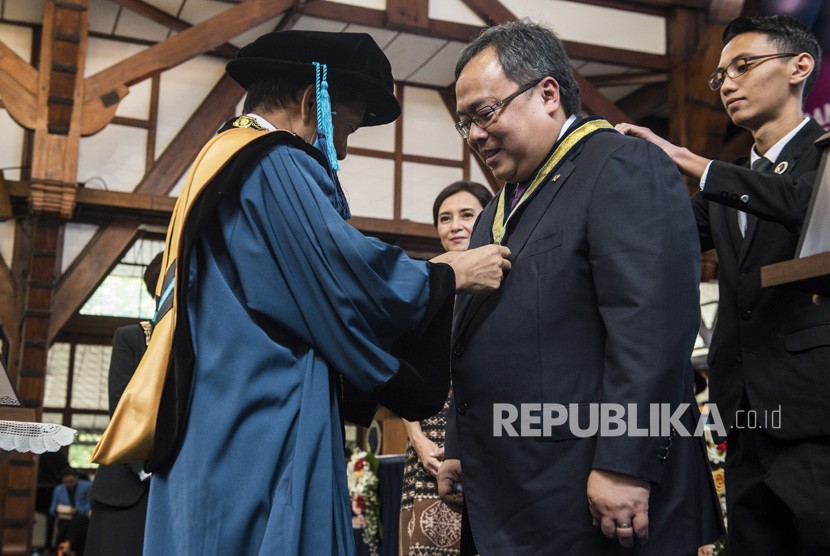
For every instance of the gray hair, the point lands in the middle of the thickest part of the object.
(528, 52)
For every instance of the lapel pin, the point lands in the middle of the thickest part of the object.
(554, 178)
(781, 167)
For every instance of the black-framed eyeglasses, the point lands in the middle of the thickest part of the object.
(486, 115)
(740, 66)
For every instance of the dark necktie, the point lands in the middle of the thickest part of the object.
(762, 165)
(520, 189)
(744, 220)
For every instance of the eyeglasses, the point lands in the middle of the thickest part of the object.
(740, 66)
(486, 115)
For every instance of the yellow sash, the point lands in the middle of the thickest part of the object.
(130, 433)
(566, 145)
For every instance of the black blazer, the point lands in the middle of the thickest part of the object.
(771, 343)
(601, 305)
(119, 485)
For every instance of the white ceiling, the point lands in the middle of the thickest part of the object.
(415, 58)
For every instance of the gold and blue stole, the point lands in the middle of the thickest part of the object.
(562, 150)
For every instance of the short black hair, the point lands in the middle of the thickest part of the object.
(528, 52)
(481, 193)
(69, 472)
(785, 32)
(151, 273)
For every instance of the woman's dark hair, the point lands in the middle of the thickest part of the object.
(473, 188)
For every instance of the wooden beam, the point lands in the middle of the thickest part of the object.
(619, 56)
(90, 267)
(106, 247)
(451, 31)
(8, 316)
(394, 227)
(644, 101)
(595, 102)
(698, 120)
(411, 14)
(108, 202)
(18, 87)
(491, 11)
(217, 108)
(653, 7)
(165, 19)
(617, 79)
(105, 89)
(592, 99)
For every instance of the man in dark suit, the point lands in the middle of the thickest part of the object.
(119, 492)
(770, 354)
(599, 311)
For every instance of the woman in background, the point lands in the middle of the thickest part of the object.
(427, 526)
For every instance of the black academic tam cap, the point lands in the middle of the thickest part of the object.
(354, 60)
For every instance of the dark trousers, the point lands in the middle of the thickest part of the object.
(468, 545)
(74, 531)
(777, 494)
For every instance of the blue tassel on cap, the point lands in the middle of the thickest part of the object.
(325, 128)
(325, 132)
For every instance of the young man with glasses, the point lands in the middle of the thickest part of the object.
(771, 347)
(600, 308)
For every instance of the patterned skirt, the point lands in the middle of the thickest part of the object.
(428, 527)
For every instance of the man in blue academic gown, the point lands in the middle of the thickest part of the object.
(287, 316)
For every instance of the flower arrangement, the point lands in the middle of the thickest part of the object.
(362, 476)
(717, 459)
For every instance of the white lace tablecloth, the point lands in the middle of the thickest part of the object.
(20, 436)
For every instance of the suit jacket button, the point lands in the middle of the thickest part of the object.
(458, 350)
(740, 357)
(461, 408)
(746, 314)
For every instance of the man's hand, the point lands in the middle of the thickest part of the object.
(449, 484)
(645, 133)
(480, 270)
(619, 505)
(686, 161)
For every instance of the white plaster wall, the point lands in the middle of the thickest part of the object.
(182, 90)
(421, 183)
(75, 238)
(595, 24)
(369, 185)
(101, 54)
(113, 159)
(428, 127)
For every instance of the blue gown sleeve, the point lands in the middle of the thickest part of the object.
(352, 298)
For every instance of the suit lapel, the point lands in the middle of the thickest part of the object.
(467, 306)
(536, 209)
(790, 154)
(481, 236)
